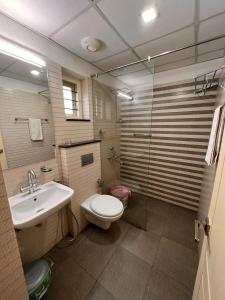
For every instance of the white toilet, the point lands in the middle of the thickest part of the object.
(102, 210)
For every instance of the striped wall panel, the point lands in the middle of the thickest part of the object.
(168, 165)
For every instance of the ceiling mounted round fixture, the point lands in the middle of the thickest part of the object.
(90, 44)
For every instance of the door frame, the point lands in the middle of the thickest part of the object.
(205, 244)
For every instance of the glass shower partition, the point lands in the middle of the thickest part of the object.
(135, 138)
(106, 125)
(124, 127)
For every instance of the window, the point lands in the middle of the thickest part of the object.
(99, 102)
(108, 108)
(72, 104)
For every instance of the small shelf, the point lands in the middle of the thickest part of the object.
(77, 120)
(207, 81)
(76, 144)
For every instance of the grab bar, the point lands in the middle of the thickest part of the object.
(142, 134)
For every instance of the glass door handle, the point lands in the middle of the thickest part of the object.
(205, 226)
(197, 225)
(142, 134)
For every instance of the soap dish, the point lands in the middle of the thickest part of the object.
(46, 169)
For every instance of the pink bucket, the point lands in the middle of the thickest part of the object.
(121, 192)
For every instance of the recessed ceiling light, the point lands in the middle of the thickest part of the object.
(35, 72)
(149, 14)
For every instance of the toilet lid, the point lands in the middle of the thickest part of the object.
(107, 206)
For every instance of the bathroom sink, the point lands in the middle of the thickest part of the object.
(31, 209)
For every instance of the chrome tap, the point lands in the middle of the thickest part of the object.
(31, 187)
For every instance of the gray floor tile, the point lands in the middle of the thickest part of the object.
(125, 276)
(96, 248)
(99, 293)
(58, 255)
(177, 261)
(179, 226)
(163, 287)
(141, 243)
(69, 281)
(112, 236)
(121, 258)
(93, 256)
(155, 223)
(136, 212)
(158, 207)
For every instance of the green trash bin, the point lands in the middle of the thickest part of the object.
(37, 277)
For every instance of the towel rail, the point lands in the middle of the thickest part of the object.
(207, 81)
(26, 119)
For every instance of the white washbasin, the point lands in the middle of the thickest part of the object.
(31, 209)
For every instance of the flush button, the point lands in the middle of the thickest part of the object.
(87, 159)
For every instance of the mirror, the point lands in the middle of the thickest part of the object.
(26, 125)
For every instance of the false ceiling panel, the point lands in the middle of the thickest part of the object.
(89, 24)
(44, 16)
(126, 17)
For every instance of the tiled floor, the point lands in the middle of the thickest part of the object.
(136, 212)
(127, 263)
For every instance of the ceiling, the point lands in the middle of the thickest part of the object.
(119, 25)
(17, 69)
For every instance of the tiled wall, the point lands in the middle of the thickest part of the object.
(34, 242)
(12, 282)
(20, 150)
(82, 179)
(68, 130)
(46, 235)
(168, 166)
(16, 177)
(107, 128)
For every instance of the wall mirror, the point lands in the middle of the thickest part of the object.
(26, 125)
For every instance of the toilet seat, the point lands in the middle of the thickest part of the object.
(102, 210)
(106, 206)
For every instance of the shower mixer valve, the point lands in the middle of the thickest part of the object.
(114, 156)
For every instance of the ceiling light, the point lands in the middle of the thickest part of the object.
(13, 50)
(124, 95)
(90, 44)
(35, 72)
(149, 14)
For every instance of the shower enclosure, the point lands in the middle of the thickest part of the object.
(154, 143)
(124, 127)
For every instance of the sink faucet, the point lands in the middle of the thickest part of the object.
(31, 187)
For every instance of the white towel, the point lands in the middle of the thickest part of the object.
(215, 136)
(35, 127)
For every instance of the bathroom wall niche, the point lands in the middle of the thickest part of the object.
(24, 97)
